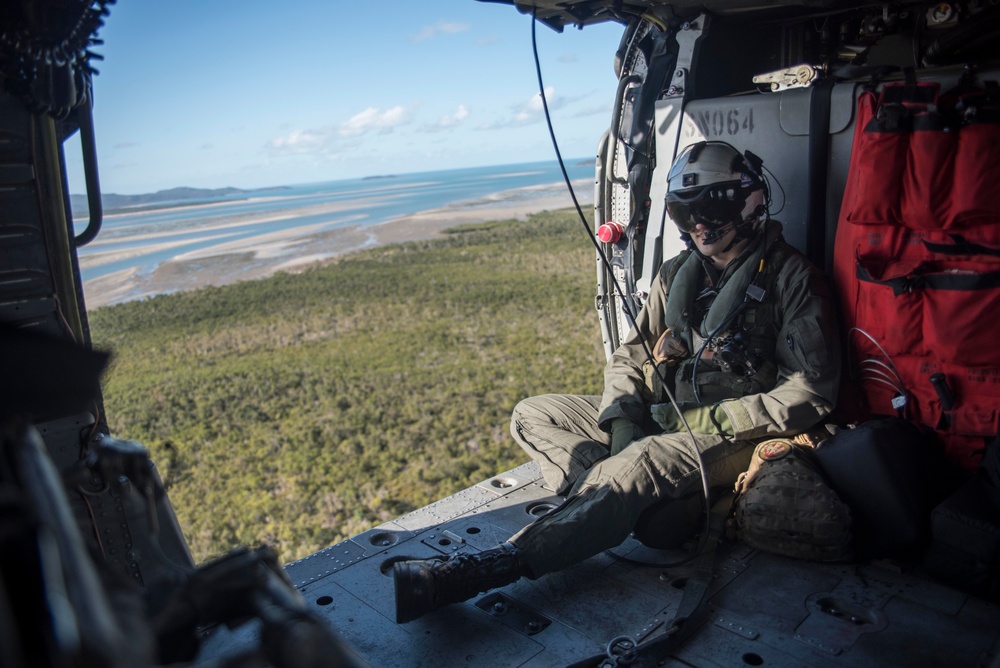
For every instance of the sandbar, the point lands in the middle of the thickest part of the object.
(300, 247)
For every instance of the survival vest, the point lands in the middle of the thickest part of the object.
(758, 319)
(917, 259)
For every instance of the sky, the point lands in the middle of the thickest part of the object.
(214, 93)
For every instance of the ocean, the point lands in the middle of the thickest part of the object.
(143, 239)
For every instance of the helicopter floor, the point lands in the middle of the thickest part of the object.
(759, 609)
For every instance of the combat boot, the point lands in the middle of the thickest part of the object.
(426, 585)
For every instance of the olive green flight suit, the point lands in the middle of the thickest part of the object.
(792, 331)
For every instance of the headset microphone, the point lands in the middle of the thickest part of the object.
(711, 236)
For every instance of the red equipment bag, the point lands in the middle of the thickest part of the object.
(917, 260)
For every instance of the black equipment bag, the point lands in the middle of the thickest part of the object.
(891, 474)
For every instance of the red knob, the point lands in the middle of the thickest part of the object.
(610, 232)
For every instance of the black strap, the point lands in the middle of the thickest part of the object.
(691, 612)
(961, 246)
(692, 607)
(936, 281)
(774, 260)
(900, 102)
(819, 153)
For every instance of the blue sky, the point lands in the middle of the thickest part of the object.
(212, 93)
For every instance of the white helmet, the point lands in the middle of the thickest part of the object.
(711, 184)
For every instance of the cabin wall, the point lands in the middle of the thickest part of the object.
(774, 126)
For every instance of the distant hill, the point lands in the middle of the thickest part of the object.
(162, 198)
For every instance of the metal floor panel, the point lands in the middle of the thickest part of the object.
(762, 609)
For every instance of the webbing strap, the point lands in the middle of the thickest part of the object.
(938, 281)
(961, 246)
(819, 153)
(692, 607)
(691, 611)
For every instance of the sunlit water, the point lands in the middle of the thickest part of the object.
(150, 237)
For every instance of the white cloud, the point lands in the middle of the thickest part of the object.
(533, 110)
(301, 142)
(567, 58)
(332, 140)
(373, 119)
(441, 27)
(449, 121)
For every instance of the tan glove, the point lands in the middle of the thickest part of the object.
(769, 450)
(816, 436)
(669, 348)
(666, 352)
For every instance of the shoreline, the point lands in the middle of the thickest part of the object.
(301, 247)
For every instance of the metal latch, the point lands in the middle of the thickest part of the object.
(799, 76)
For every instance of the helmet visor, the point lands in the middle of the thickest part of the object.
(713, 207)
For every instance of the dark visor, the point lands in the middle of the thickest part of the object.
(714, 206)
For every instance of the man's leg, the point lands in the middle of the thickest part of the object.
(606, 502)
(560, 432)
(599, 513)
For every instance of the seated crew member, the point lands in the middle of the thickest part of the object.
(742, 330)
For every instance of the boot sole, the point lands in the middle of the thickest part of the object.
(413, 597)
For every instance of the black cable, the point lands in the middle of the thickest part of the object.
(770, 198)
(736, 310)
(576, 203)
(621, 293)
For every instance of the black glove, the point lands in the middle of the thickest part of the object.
(623, 432)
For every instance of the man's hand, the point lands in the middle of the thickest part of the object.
(702, 419)
(623, 432)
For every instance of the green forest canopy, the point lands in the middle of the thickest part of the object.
(303, 409)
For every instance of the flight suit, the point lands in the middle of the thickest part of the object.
(794, 342)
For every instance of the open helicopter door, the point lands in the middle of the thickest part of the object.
(629, 204)
(628, 197)
(41, 296)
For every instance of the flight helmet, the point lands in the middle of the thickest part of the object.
(712, 184)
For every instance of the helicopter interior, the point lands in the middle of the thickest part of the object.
(786, 81)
